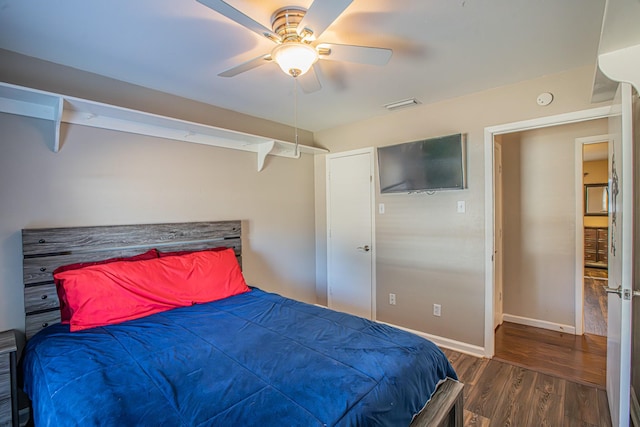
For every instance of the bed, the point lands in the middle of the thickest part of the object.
(250, 358)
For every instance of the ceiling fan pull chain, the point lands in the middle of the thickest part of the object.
(295, 113)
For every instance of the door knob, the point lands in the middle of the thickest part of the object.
(364, 248)
(625, 294)
(617, 291)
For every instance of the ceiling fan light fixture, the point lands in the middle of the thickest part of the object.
(294, 58)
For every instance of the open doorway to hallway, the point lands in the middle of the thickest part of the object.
(540, 327)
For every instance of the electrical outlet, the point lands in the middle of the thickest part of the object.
(392, 299)
(437, 310)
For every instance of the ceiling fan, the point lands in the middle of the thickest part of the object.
(295, 31)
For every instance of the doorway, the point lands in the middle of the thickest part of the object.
(592, 160)
(539, 213)
(543, 213)
(489, 137)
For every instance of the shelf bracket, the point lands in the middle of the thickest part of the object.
(263, 151)
(58, 108)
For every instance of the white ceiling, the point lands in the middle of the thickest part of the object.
(441, 49)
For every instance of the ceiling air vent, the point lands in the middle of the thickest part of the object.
(411, 102)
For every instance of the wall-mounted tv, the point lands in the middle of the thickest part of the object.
(427, 165)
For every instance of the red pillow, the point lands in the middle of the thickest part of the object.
(112, 293)
(177, 253)
(65, 313)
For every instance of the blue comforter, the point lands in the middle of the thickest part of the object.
(252, 359)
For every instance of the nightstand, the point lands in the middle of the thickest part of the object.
(8, 380)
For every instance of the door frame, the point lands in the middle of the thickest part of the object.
(579, 186)
(489, 199)
(498, 316)
(372, 157)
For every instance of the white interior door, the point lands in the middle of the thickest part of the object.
(350, 241)
(620, 259)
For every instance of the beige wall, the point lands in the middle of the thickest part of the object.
(596, 172)
(104, 177)
(426, 252)
(539, 200)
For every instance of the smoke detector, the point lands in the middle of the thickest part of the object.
(545, 99)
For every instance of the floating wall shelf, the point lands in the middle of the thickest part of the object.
(61, 108)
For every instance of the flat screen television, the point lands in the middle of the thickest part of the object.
(427, 165)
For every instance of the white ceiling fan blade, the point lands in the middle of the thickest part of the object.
(246, 66)
(351, 53)
(320, 15)
(309, 81)
(234, 14)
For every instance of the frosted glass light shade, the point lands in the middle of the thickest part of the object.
(294, 58)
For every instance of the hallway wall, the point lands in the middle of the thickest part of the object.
(539, 223)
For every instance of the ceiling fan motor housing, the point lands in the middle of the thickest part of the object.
(284, 22)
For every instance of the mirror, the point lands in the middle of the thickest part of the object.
(596, 199)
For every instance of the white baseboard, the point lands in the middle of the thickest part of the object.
(450, 344)
(558, 327)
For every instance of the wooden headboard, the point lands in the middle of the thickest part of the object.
(45, 249)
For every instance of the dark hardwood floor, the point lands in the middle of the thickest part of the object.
(581, 359)
(595, 301)
(540, 377)
(502, 394)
